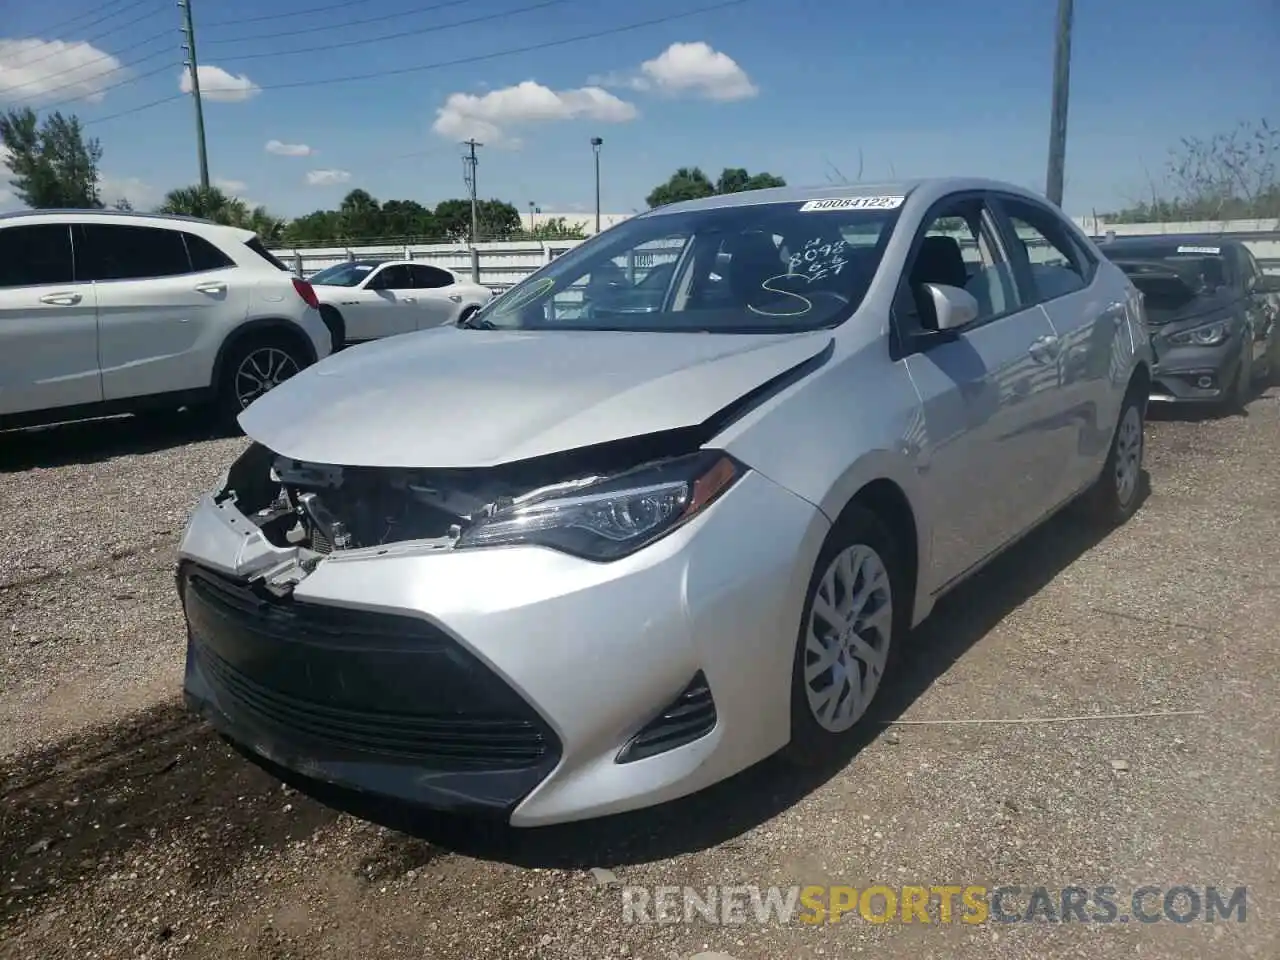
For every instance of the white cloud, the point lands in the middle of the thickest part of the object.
(688, 69)
(229, 186)
(140, 194)
(219, 85)
(288, 149)
(327, 178)
(465, 115)
(32, 70)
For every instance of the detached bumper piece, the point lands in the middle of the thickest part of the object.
(377, 703)
(690, 717)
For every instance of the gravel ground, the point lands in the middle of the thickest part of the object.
(128, 830)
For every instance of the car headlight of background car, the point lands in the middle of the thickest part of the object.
(1209, 335)
(613, 517)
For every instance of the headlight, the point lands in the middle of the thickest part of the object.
(614, 517)
(1209, 335)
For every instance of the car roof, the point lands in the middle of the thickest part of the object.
(929, 187)
(197, 224)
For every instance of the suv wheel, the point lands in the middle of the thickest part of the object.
(254, 368)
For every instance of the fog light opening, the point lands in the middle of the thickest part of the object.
(1205, 383)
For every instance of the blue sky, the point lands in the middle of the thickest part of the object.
(800, 88)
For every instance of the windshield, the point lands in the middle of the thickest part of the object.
(757, 268)
(343, 274)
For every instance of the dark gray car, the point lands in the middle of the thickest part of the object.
(1207, 304)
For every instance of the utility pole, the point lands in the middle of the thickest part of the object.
(192, 64)
(596, 143)
(1061, 88)
(469, 166)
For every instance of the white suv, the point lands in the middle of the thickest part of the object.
(107, 312)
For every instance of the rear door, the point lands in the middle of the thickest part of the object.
(439, 300)
(165, 300)
(387, 305)
(1089, 319)
(48, 322)
(988, 389)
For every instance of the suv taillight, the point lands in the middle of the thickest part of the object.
(307, 293)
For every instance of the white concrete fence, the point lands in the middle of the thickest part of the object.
(505, 263)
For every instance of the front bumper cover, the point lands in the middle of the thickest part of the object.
(381, 647)
(1176, 377)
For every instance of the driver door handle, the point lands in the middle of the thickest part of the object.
(211, 287)
(455, 297)
(62, 299)
(409, 299)
(1045, 349)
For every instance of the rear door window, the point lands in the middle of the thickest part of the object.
(430, 278)
(36, 255)
(204, 255)
(108, 251)
(1058, 265)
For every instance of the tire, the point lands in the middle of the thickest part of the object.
(1117, 492)
(861, 543)
(1237, 397)
(273, 358)
(337, 326)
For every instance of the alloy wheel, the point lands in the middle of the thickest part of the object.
(1128, 454)
(261, 371)
(847, 638)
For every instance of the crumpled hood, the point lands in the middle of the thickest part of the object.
(452, 397)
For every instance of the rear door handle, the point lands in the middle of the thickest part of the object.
(409, 299)
(1045, 349)
(62, 299)
(211, 287)
(456, 298)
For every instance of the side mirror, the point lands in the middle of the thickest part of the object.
(954, 307)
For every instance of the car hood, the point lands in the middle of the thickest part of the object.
(452, 397)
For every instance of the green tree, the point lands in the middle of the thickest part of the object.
(361, 217)
(690, 183)
(557, 228)
(408, 218)
(453, 217)
(52, 163)
(315, 227)
(499, 220)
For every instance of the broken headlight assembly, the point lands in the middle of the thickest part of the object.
(610, 518)
(1209, 335)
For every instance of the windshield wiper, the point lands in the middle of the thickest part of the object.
(476, 322)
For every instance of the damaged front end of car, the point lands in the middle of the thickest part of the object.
(601, 503)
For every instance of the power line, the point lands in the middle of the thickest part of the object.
(65, 24)
(337, 26)
(171, 65)
(461, 61)
(394, 36)
(291, 15)
(101, 73)
(88, 41)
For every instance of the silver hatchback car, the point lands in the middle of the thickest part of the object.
(665, 508)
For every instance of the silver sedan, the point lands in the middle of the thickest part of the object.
(667, 507)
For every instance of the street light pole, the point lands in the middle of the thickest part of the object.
(596, 143)
(1061, 88)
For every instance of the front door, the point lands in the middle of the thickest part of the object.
(48, 323)
(986, 389)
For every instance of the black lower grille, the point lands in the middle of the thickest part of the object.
(691, 716)
(355, 682)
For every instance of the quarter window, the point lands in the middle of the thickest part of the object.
(431, 278)
(1057, 264)
(204, 255)
(36, 255)
(107, 251)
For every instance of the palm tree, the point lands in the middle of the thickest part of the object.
(208, 203)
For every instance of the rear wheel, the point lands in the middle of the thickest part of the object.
(1237, 397)
(853, 617)
(254, 368)
(337, 326)
(1116, 493)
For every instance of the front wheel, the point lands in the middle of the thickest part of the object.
(854, 614)
(253, 369)
(1116, 494)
